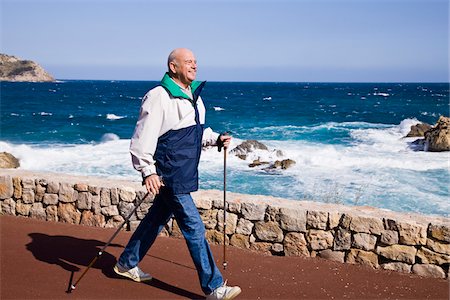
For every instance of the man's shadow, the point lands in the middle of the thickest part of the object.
(68, 252)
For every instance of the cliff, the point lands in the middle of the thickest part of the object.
(15, 69)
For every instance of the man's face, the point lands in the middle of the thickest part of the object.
(186, 67)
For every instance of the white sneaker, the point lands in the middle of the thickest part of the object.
(135, 273)
(224, 292)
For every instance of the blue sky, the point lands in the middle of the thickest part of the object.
(305, 41)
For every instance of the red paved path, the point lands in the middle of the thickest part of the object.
(37, 257)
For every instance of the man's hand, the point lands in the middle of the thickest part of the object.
(153, 184)
(223, 141)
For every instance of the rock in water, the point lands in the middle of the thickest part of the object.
(418, 130)
(246, 147)
(8, 161)
(437, 139)
(15, 69)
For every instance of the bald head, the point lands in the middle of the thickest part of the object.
(182, 66)
(177, 54)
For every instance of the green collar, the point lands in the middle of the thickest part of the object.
(175, 90)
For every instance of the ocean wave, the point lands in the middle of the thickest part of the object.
(114, 117)
(43, 113)
(108, 137)
(218, 108)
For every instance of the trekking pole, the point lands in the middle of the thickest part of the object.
(73, 286)
(224, 206)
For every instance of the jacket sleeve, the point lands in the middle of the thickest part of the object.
(146, 133)
(209, 137)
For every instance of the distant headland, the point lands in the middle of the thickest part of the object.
(15, 69)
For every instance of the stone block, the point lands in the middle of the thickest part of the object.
(142, 210)
(95, 207)
(28, 183)
(17, 183)
(105, 197)
(67, 213)
(262, 247)
(366, 225)
(88, 218)
(345, 221)
(234, 207)
(400, 253)
(216, 237)
(94, 190)
(317, 220)
(114, 222)
(240, 241)
(37, 211)
(329, 254)
(9, 207)
(253, 211)
(110, 211)
(209, 218)
(6, 187)
(203, 203)
(244, 227)
(364, 241)
(333, 219)
(114, 196)
(440, 232)
(272, 213)
(293, 219)
(397, 266)
(319, 239)
(411, 233)
(40, 192)
(438, 247)
(427, 270)
(50, 199)
(356, 256)
(67, 193)
(342, 240)
(84, 200)
(231, 222)
(268, 232)
(427, 256)
(22, 208)
(125, 208)
(81, 187)
(43, 182)
(277, 248)
(52, 213)
(389, 237)
(295, 244)
(28, 196)
(53, 187)
(127, 194)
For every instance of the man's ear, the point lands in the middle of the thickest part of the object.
(172, 67)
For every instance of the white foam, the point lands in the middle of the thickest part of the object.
(267, 98)
(114, 117)
(107, 137)
(378, 168)
(218, 108)
(43, 113)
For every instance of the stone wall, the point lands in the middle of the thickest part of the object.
(410, 243)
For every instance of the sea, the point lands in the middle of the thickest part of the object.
(347, 139)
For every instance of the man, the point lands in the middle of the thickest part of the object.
(165, 148)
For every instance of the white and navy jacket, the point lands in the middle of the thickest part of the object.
(169, 135)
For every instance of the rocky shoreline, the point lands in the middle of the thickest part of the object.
(16, 69)
(432, 138)
(378, 238)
